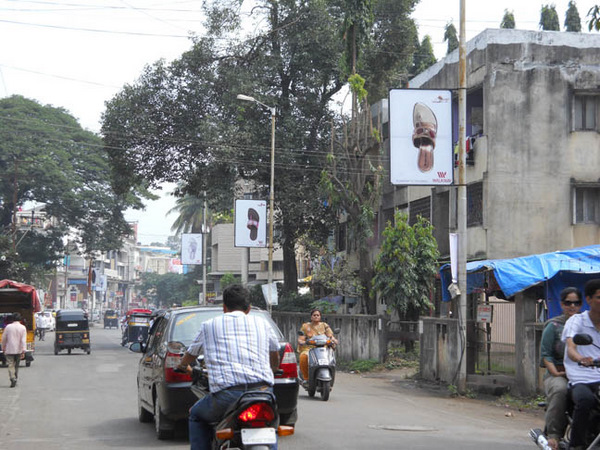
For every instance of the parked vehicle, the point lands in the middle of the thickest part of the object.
(165, 395)
(111, 319)
(95, 316)
(136, 327)
(23, 299)
(72, 331)
(593, 435)
(321, 365)
(251, 424)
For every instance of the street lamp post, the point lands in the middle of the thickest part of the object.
(271, 194)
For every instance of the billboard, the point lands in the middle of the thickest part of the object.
(421, 150)
(250, 223)
(191, 248)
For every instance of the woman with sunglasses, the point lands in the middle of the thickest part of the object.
(552, 353)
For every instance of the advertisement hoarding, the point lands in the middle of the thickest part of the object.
(191, 248)
(250, 223)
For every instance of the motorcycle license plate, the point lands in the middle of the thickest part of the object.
(323, 362)
(257, 436)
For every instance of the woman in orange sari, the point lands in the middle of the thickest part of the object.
(309, 330)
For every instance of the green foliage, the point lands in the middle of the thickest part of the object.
(323, 305)
(294, 302)
(406, 266)
(424, 56)
(549, 18)
(451, 35)
(363, 365)
(336, 277)
(168, 289)
(572, 19)
(64, 169)
(357, 85)
(508, 21)
(594, 18)
(228, 279)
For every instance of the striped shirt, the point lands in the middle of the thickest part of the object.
(236, 350)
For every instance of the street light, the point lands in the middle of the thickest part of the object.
(272, 192)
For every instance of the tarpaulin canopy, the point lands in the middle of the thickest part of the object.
(25, 288)
(565, 268)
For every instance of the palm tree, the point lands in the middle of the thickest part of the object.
(190, 216)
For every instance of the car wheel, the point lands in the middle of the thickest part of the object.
(55, 350)
(289, 418)
(88, 350)
(69, 351)
(163, 427)
(144, 415)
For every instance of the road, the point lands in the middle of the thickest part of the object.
(81, 401)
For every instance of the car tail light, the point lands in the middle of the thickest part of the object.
(257, 415)
(171, 362)
(288, 363)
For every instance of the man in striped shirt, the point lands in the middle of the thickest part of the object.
(241, 352)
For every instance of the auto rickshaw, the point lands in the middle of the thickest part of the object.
(137, 324)
(72, 331)
(111, 318)
(22, 299)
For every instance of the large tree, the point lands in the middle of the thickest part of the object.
(508, 20)
(424, 56)
(451, 36)
(572, 19)
(47, 159)
(182, 122)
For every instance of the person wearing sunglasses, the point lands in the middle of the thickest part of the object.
(555, 378)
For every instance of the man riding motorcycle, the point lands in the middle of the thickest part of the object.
(583, 380)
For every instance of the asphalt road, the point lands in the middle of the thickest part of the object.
(82, 401)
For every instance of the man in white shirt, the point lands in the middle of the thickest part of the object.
(583, 380)
(241, 352)
(14, 344)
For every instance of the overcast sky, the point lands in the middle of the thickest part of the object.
(77, 54)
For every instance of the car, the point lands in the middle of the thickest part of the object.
(164, 395)
(50, 319)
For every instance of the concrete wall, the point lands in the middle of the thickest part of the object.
(361, 336)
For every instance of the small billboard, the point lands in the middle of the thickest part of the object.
(250, 223)
(421, 150)
(191, 248)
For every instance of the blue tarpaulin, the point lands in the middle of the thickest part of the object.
(561, 269)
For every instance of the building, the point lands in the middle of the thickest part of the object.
(533, 185)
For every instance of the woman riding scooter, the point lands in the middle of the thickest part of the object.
(310, 329)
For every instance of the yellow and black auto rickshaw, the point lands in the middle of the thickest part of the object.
(111, 318)
(137, 325)
(72, 331)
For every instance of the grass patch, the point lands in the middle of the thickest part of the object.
(520, 403)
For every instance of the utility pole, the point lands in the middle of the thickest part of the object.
(204, 231)
(462, 200)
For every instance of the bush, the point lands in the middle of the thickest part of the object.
(293, 302)
(363, 365)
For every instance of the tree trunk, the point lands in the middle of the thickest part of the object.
(366, 275)
(290, 271)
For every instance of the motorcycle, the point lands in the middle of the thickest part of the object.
(593, 435)
(252, 423)
(321, 365)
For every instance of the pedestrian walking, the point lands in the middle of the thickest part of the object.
(14, 344)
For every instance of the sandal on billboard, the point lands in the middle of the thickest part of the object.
(253, 223)
(424, 134)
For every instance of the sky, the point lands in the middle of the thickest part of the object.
(78, 54)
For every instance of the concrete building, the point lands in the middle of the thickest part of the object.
(533, 180)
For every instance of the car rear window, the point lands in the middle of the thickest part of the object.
(186, 325)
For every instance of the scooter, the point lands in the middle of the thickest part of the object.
(593, 435)
(321, 365)
(252, 423)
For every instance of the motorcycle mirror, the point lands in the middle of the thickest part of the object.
(300, 333)
(336, 331)
(583, 339)
(136, 347)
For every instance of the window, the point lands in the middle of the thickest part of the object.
(587, 205)
(585, 111)
(421, 207)
(475, 204)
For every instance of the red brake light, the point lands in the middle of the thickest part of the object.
(257, 415)
(288, 363)
(171, 362)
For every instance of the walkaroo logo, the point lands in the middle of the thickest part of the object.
(442, 174)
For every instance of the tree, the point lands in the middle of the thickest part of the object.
(182, 121)
(594, 15)
(191, 214)
(48, 159)
(406, 266)
(572, 19)
(508, 21)
(424, 56)
(451, 36)
(168, 289)
(549, 18)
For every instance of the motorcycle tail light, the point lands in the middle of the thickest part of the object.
(171, 362)
(257, 415)
(288, 363)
